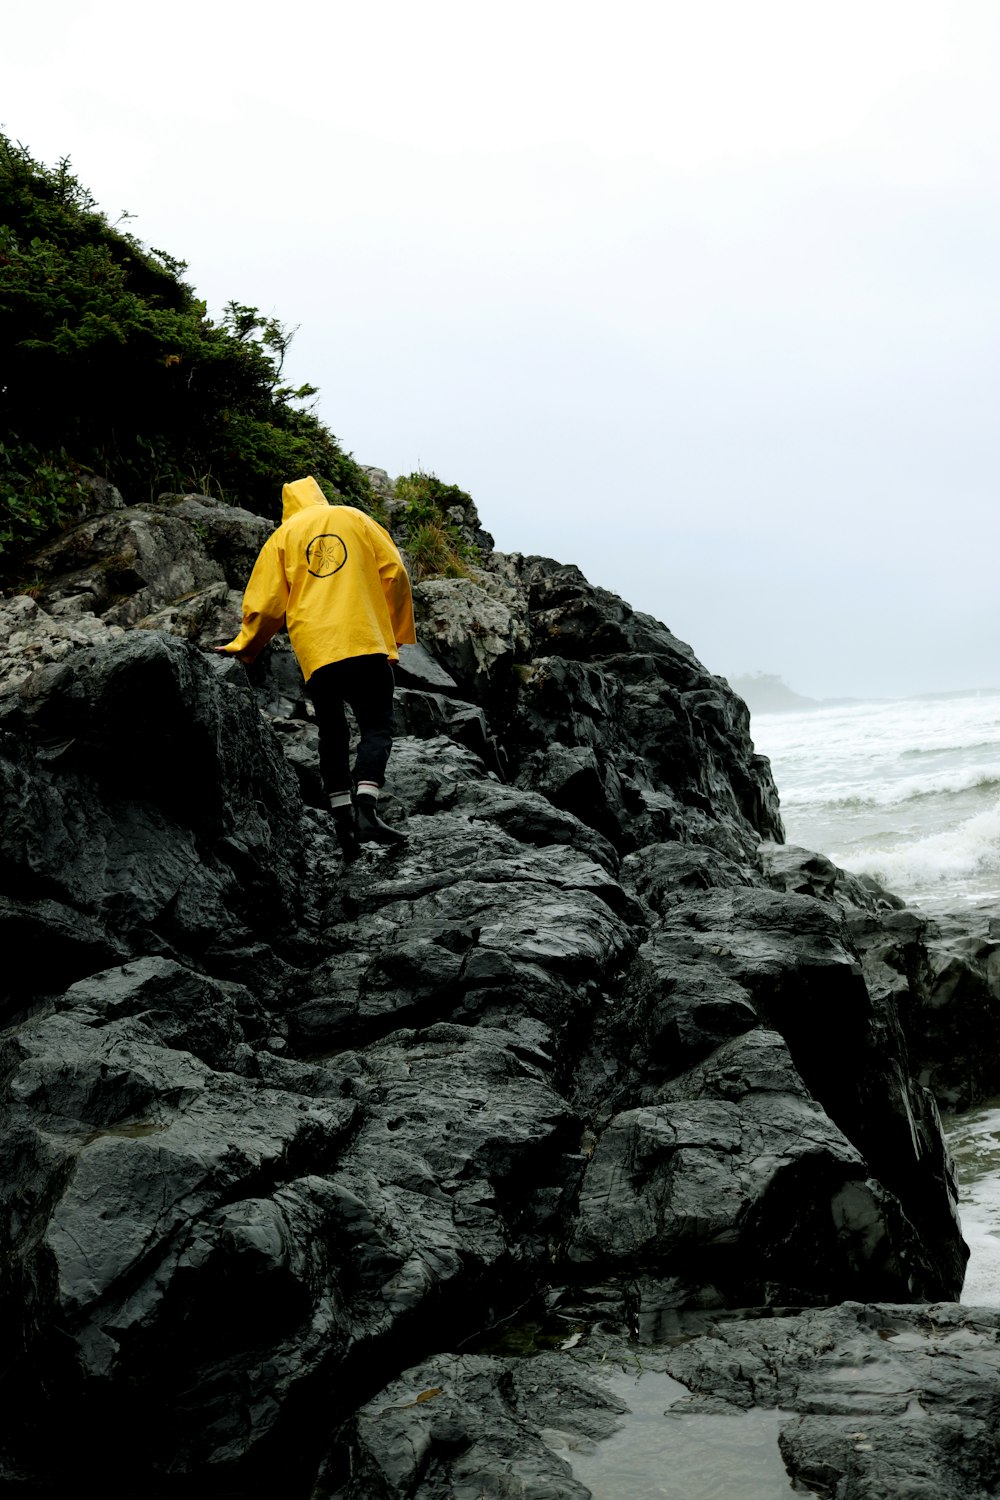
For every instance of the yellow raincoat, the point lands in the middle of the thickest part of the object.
(335, 577)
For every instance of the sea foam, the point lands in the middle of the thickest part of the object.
(907, 791)
(963, 862)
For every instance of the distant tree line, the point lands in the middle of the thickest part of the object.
(765, 693)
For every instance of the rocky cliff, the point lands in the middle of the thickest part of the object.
(286, 1143)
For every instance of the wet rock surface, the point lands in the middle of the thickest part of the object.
(864, 1402)
(942, 969)
(278, 1129)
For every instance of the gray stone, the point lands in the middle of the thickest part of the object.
(278, 1128)
(804, 873)
(867, 1402)
(472, 631)
(417, 668)
(124, 564)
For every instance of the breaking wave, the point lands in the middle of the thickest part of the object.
(908, 791)
(889, 794)
(959, 861)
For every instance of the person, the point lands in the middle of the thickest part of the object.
(335, 577)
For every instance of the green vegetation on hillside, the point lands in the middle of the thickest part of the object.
(110, 366)
(434, 544)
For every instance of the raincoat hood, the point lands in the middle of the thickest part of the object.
(300, 495)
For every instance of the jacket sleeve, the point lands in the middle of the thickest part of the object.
(395, 585)
(263, 603)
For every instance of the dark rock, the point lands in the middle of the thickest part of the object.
(474, 628)
(208, 614)
(941, 972)
(665, 874)
(278, 1127)
(300, 743)
(737, 1178)
(716, 968)
(582, 621)
(427, 715)
(891, 1400)
(863, 1402)
(230, 536)
(417, 668)
(47, 946)
(184, 1009)
(123, 564)
(30, 639)
(100, 495)
(148, 794)
(945, 974)
(804, 873)
(465, 1427)
(132, 1174)
(663, 772)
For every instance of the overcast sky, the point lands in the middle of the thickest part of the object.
(703, 296)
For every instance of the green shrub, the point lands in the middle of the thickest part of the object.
(36, 491)
(435, 546)
(109, 365)
(431, 553)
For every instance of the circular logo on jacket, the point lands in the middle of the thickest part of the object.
(325, 555)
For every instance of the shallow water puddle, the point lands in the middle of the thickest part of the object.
(660, 1454)
(974, 1139)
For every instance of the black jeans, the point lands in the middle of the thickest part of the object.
(366, 683)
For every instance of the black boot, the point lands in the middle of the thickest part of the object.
(371, 829)
(345, 825)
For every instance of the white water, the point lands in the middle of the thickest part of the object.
(907, 791)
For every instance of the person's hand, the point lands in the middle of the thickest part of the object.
(246, 656)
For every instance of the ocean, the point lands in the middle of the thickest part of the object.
(909, 791)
